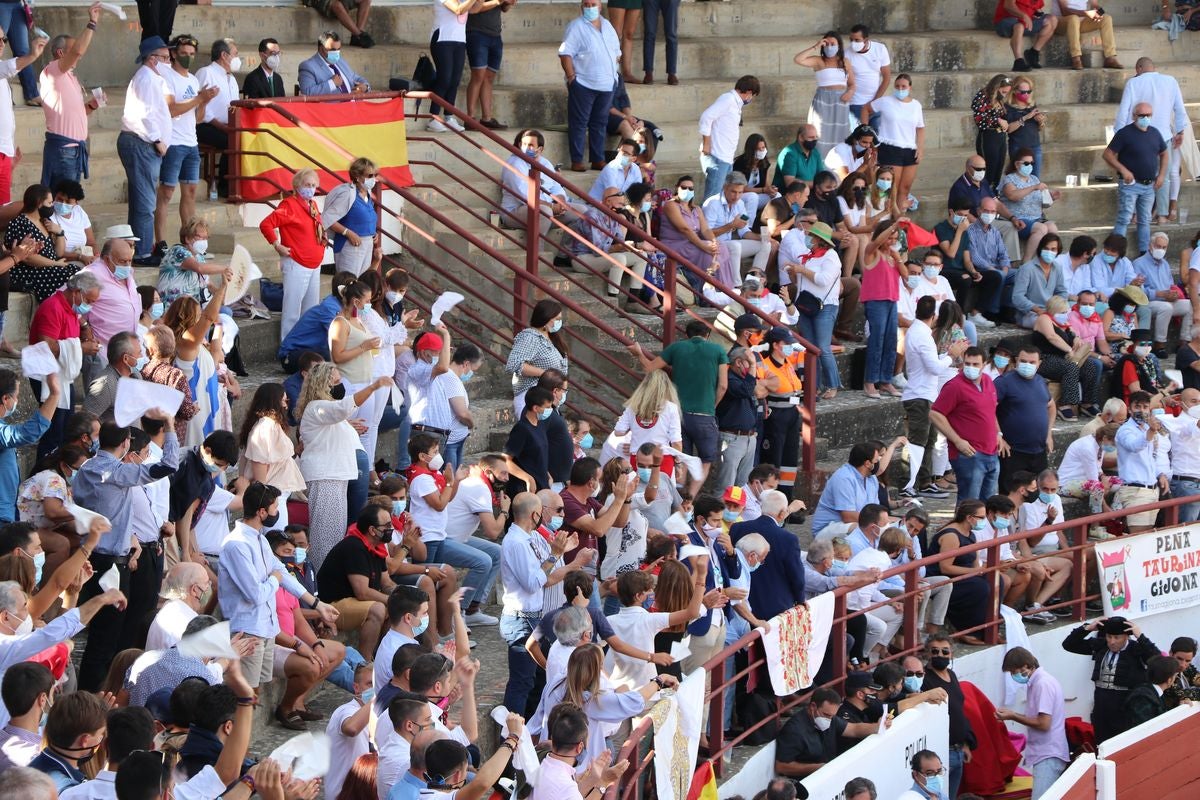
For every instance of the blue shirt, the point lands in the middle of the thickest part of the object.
(1032, 287)
(12, 437)
(1135, 454)
(1156, 271)
(245, 585)
(593, 52)
(614, 175)
(846, 490)
(1106, 279)
(407, 788)
(311, 331)
(858, 542)
(103, 485)
(987, 247)
(1022, 408)
(976, 193)
(719, 213)
(600, 230)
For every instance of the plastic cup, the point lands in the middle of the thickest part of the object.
(1072, 180)
(1183, 216)
(99, 96)
(1084, 179)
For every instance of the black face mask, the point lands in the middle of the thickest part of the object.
(859, 193)
(1031, 496)
(807, 145)
(45, 212)
(939, 662)
(271, 521)
(338, 392)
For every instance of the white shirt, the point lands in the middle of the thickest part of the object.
(1077, 279)
(924, 367)
(212, 527)
(438, 412)
(668, 428)
(431, 521)
(842, 156)
(473, 498)
(719, 213)
(420, 375)
(721, 122)
(867, 595)
(146, 115)
(392, 641)
(521, 557)
(906, 305)
(329, 441)
(1081, 462)
(227, 91)
(8, 121)
(865, 67)
(988, 533)
(1033, 515)
(637, 627)
(1162, 93)
(181, 88)
(343, 750)
(394, 760)
(1185, 445)
(73, 228)
(169, 624)
(938, 289)
(898, 121)
(449, 27)
(101, 787)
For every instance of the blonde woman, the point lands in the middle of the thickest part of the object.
(328, 462)
(294, 229)
(351, 217)
(194, 358)
(652, 416)
(354, 348)
(183, 270)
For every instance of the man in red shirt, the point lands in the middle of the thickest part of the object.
(585, 515)
(56, 322)
(1015, 18)
(965, 413)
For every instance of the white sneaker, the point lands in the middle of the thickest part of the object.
(454, 124)
(899, 381)
(480, 618)
(1039, 615)
(981, 321)
(436, 126)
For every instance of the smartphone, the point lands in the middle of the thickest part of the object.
(746, 217)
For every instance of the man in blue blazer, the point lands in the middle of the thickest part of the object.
(327, 73)
(779, 583)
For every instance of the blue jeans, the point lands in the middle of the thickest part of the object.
(955, 770)
(670, 18)
(403, 462)
(356, 490)
(1002, 295)
(715, 171)
(522, 670)
(1139, 195)
(819, 331)
(142, 164)
(453, 453)
(1191, 511)
(482, 564)
(856, 111)
(735, 628)
(587, 119)
(343, 674)
(12, 22)
(977, 476)
(61, 163)
(881, 344)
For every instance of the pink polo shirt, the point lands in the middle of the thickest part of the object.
(971, 412)
(1090, 330)
(62, 102)
(118, 307)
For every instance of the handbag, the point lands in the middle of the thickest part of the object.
(424, 76)
(809, 304)
(271, 294)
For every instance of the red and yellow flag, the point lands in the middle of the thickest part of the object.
(704, 783)
(328, 135)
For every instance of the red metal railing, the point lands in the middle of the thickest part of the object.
(719, 682)
(521, 278)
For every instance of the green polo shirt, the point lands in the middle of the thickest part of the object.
(695, 364)
(793, 162)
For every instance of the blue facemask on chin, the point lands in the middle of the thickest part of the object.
(399, 507)
(301, 555)
(933, 785)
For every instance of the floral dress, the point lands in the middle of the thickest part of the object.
(41, 282)
(47, 483)
(175, 281)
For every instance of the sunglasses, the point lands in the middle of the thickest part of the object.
(938, 651)
(1024, 163)
(911, 674)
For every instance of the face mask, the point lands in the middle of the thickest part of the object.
(141, 363)
(337, 392)
(979, 525)
(1046, 497)
(624, 161)
(123, 273)
(643, 474)
(934, 785)
(587, 441)
(789, 349)
(858, 47)
(273, 62)
(200, 246)
(1026, 370)
(760, 154)
(839, 564)
(1000, 361)
(939, 662)
(421, 628)
(686, 195)
(591, 13)
(1159, 412)
(466, 376)
(1112, 448)
(978, 175)
(1030, 496)
(1142, 351)
(1061, 319)
(755, 567)
(185, 61)
(235, 63)
(555, 523)
(25, 626)
(795, 208)
(333, 56)
(63, 209)
(1143, 122)
(1158, 253)
(93, 448)
(1193, 412)
(367, 696)
(307, 192)
(1109, 258)
(82, 308)
(557, 326)
(39, 561)
(393, 297)
(1048, 256)
(156, 310)
(822, 723)
(729, 516)
(270, 521)
(912, 684)
(1020, 678)
(437, 462)
(545, 413)
(369, 183)
(901, 94)
(956, 219)
(884, 184)
(1025, 170)
(972, 373)
(896, 246)
(988, 218)
(913, 281)
(830, 50)
(641, 147)
(45, 212)
(1087, 311)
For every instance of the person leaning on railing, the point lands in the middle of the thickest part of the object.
(969, 597)
(809, 740)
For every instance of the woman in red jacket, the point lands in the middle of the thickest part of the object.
(294, 229)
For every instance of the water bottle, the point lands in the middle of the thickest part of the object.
(212, 192)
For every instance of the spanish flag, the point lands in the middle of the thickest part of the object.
(704, 783)
(320, 135)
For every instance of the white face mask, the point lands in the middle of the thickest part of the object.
(273, 62)
(858, 47)
(760, 154)
(436, 462)
(1194, 412)
(978, 175)
(1159, 253)
(393, 297)
(822, 723)
(988, 218)
(235, 63)
(200, 246)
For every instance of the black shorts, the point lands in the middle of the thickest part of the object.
(892, 156)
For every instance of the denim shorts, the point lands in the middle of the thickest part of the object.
(1005, 26)
(181, 164)
(484, 51)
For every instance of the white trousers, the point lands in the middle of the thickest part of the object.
(355, 259)
(745, 248)
(1161, 312)
(301, 291)
(882, 625)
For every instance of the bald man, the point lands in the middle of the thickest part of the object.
(184, 588)
(1170, 117)
(119, 306)
(1138, 153)
(1185, 453)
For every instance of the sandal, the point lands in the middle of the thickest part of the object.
(290, 720)
(887, 388)
(308, 716)
(828, 394)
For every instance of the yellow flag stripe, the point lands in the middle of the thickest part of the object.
(383, 143)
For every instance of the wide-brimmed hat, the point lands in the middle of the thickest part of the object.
(823, 232)
(1135, 293)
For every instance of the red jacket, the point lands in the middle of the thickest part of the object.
(299, 224)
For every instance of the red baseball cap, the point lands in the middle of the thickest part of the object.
(428, 341)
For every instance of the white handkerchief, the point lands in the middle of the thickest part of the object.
(612, 447)
(445, 302)
(111, 579)
(681, 649)
(306, 755)
(690, 550)
(397, 398)
(37, 361)
(113, 8)
(135, 398)
(694, 467)
(525, 758)
(677, 525)
(245, 272)
(83, 517)
(212, 642)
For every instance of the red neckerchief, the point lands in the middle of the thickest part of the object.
(546, 533)
(379, 549)
(1093, 318)
(418, 468)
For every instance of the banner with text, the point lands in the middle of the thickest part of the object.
(1150, 572)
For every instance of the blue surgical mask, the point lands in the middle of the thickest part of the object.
(913, 281)
(730, 516)
(93, 448)
(307, 192)
(1026, 370)
(557, 326)
(555, 523)
(789, 349)
(82, 308)
(837, 564)
(1087, 311)
(122, 273)
(1020, 678)
(934, 785)
(587, 441)
(334, 56)
(422, 627)
(1001, 523)
(901, 94)
(141, 363)
(1143, 122)
(643, 474)
(647, 206)
(399, 507)
(956, 219)
(1061, 319)
(545, 414)
(979, 525)
(591, 13)
(156, 310)
(972, 373)
(795, 208)
(912, 684)
(1048, 256)
(39, 561)
(884, 184)
(1046, 497)
(1109, 258)
(641, 147)
(1001, 362)
(1109, 448)
(531, 152)
(466, 376)
(367, 696)
(1025, 170)
(63, 209)
(754, 568)
(686, 195)
(623, 161)
(301, 555)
